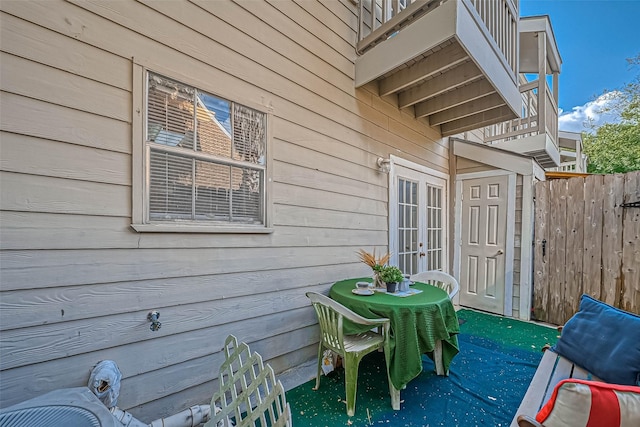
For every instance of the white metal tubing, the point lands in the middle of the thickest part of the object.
(191, 417)
(126, 418)
(194, 416)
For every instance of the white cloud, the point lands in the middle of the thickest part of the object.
(578, 118)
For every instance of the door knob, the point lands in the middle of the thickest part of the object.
(500, 252)
(422, 254)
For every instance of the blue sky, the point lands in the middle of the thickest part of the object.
(595, 37)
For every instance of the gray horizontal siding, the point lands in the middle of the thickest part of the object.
(78, 281)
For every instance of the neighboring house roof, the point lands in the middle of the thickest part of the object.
(563, 175)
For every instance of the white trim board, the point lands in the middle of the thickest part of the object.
(498, 158)
(526, 247)
(395, 160)
(483, 174)
(509, 250)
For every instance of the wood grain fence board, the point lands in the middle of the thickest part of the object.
(556, 249)
(612, 239)
(541, 266)
(592, 271)
(593, 244)
(575, 243)
(631, 245)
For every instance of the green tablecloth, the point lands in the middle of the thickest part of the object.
(417, 322)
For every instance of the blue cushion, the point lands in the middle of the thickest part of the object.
(603, 340)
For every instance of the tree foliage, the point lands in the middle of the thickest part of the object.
(615, 147)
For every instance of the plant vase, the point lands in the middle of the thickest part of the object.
(378, 282)
(391, 275)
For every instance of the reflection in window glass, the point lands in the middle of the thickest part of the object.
(207, 156)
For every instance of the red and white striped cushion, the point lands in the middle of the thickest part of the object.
(580, 403)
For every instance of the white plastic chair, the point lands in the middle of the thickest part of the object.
(352, 348)
(440, 279)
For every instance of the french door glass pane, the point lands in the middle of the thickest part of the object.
(407, 225)
(435, 230)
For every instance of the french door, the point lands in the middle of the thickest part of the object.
(417, 219)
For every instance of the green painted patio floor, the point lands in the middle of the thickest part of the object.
(488, 378)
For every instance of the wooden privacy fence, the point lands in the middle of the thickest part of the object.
(587, 240)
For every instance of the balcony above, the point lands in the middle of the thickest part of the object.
(452, 61)
(535, 133)
(572, 157)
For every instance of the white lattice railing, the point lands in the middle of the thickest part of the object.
(380, 19)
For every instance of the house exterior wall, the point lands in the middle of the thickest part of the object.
(77, 282)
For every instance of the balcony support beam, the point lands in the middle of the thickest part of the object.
(454, 98)
(462, 75)
(454, 57)
(475, 121)
(468, 109)
(542, 81)
(448, 57)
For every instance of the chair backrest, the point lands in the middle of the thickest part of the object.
(248, 391)
(331, 315)
(330, 318)
(439, 279)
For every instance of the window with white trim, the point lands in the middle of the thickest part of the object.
(205, 157)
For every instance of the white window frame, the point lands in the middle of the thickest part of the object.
(140, 159)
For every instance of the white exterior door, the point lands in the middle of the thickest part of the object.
(417, 218)
(484, 242)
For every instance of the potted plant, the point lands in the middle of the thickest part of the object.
(375, 263)
(391, 275)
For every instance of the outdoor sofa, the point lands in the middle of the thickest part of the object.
(591, 377)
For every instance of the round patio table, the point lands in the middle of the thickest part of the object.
(418, 322)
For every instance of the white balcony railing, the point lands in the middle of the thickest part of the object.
(531, 123)
(551, 115)
(501, 19)
(572, 162)
(565, 167)
(381, 19)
